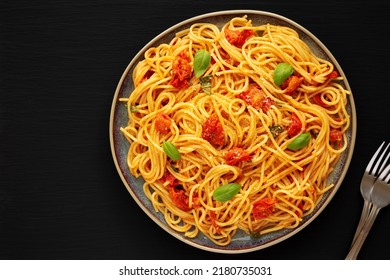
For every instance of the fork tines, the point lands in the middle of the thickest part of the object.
(380, 163)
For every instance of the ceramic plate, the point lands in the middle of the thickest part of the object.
(119, 145)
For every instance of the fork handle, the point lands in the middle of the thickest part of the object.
(363, 217)
(352, 255)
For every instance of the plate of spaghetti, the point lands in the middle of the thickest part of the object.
(233, 130)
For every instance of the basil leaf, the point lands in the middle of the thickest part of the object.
(282, 72)
(202, 61)
(171, 151)
(205, 83)
(226, 192)
(300, 141)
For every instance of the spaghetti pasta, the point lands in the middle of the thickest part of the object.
(233, 124)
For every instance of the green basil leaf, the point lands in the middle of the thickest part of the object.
(171, 151)
(282, 72)
(202, 61)
(300, 141)
(226, 192)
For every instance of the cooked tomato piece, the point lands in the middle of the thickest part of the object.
(291, 84)
(237, 37)
(267, 102)
(332, 75)
(213, 131)
(254, 96)
(170, 179)
(176, 191)
(295, 126)
(335, 135)
(162, 123)
(247, 33)
(237, 155)
(263, 208)
(181, 71)
(179, 198)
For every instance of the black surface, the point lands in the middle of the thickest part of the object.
(60, 194)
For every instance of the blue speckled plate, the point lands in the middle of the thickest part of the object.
(119, 146)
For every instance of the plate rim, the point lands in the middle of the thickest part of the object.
(349, 150)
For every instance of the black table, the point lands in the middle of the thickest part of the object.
(60, 194)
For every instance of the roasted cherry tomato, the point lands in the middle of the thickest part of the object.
(336, 137)
(267, 102)
(254, 96)
(237, 155)
(291, 84)
(332, 75)
(169, 178)
(179, 198)
(295, 126)
(213, 131)
(181, 71)
(162, 123)
(263, 208)
(237, 37)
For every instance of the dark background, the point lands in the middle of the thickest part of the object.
(60, 194)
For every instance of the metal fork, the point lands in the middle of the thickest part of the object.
(380, 197)
(370, 175)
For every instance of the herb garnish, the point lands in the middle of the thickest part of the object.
(226, 192)
(276, 130)
(300, 141)
(205, 83)
(202, 61)
(171, 151)
(282, 72)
